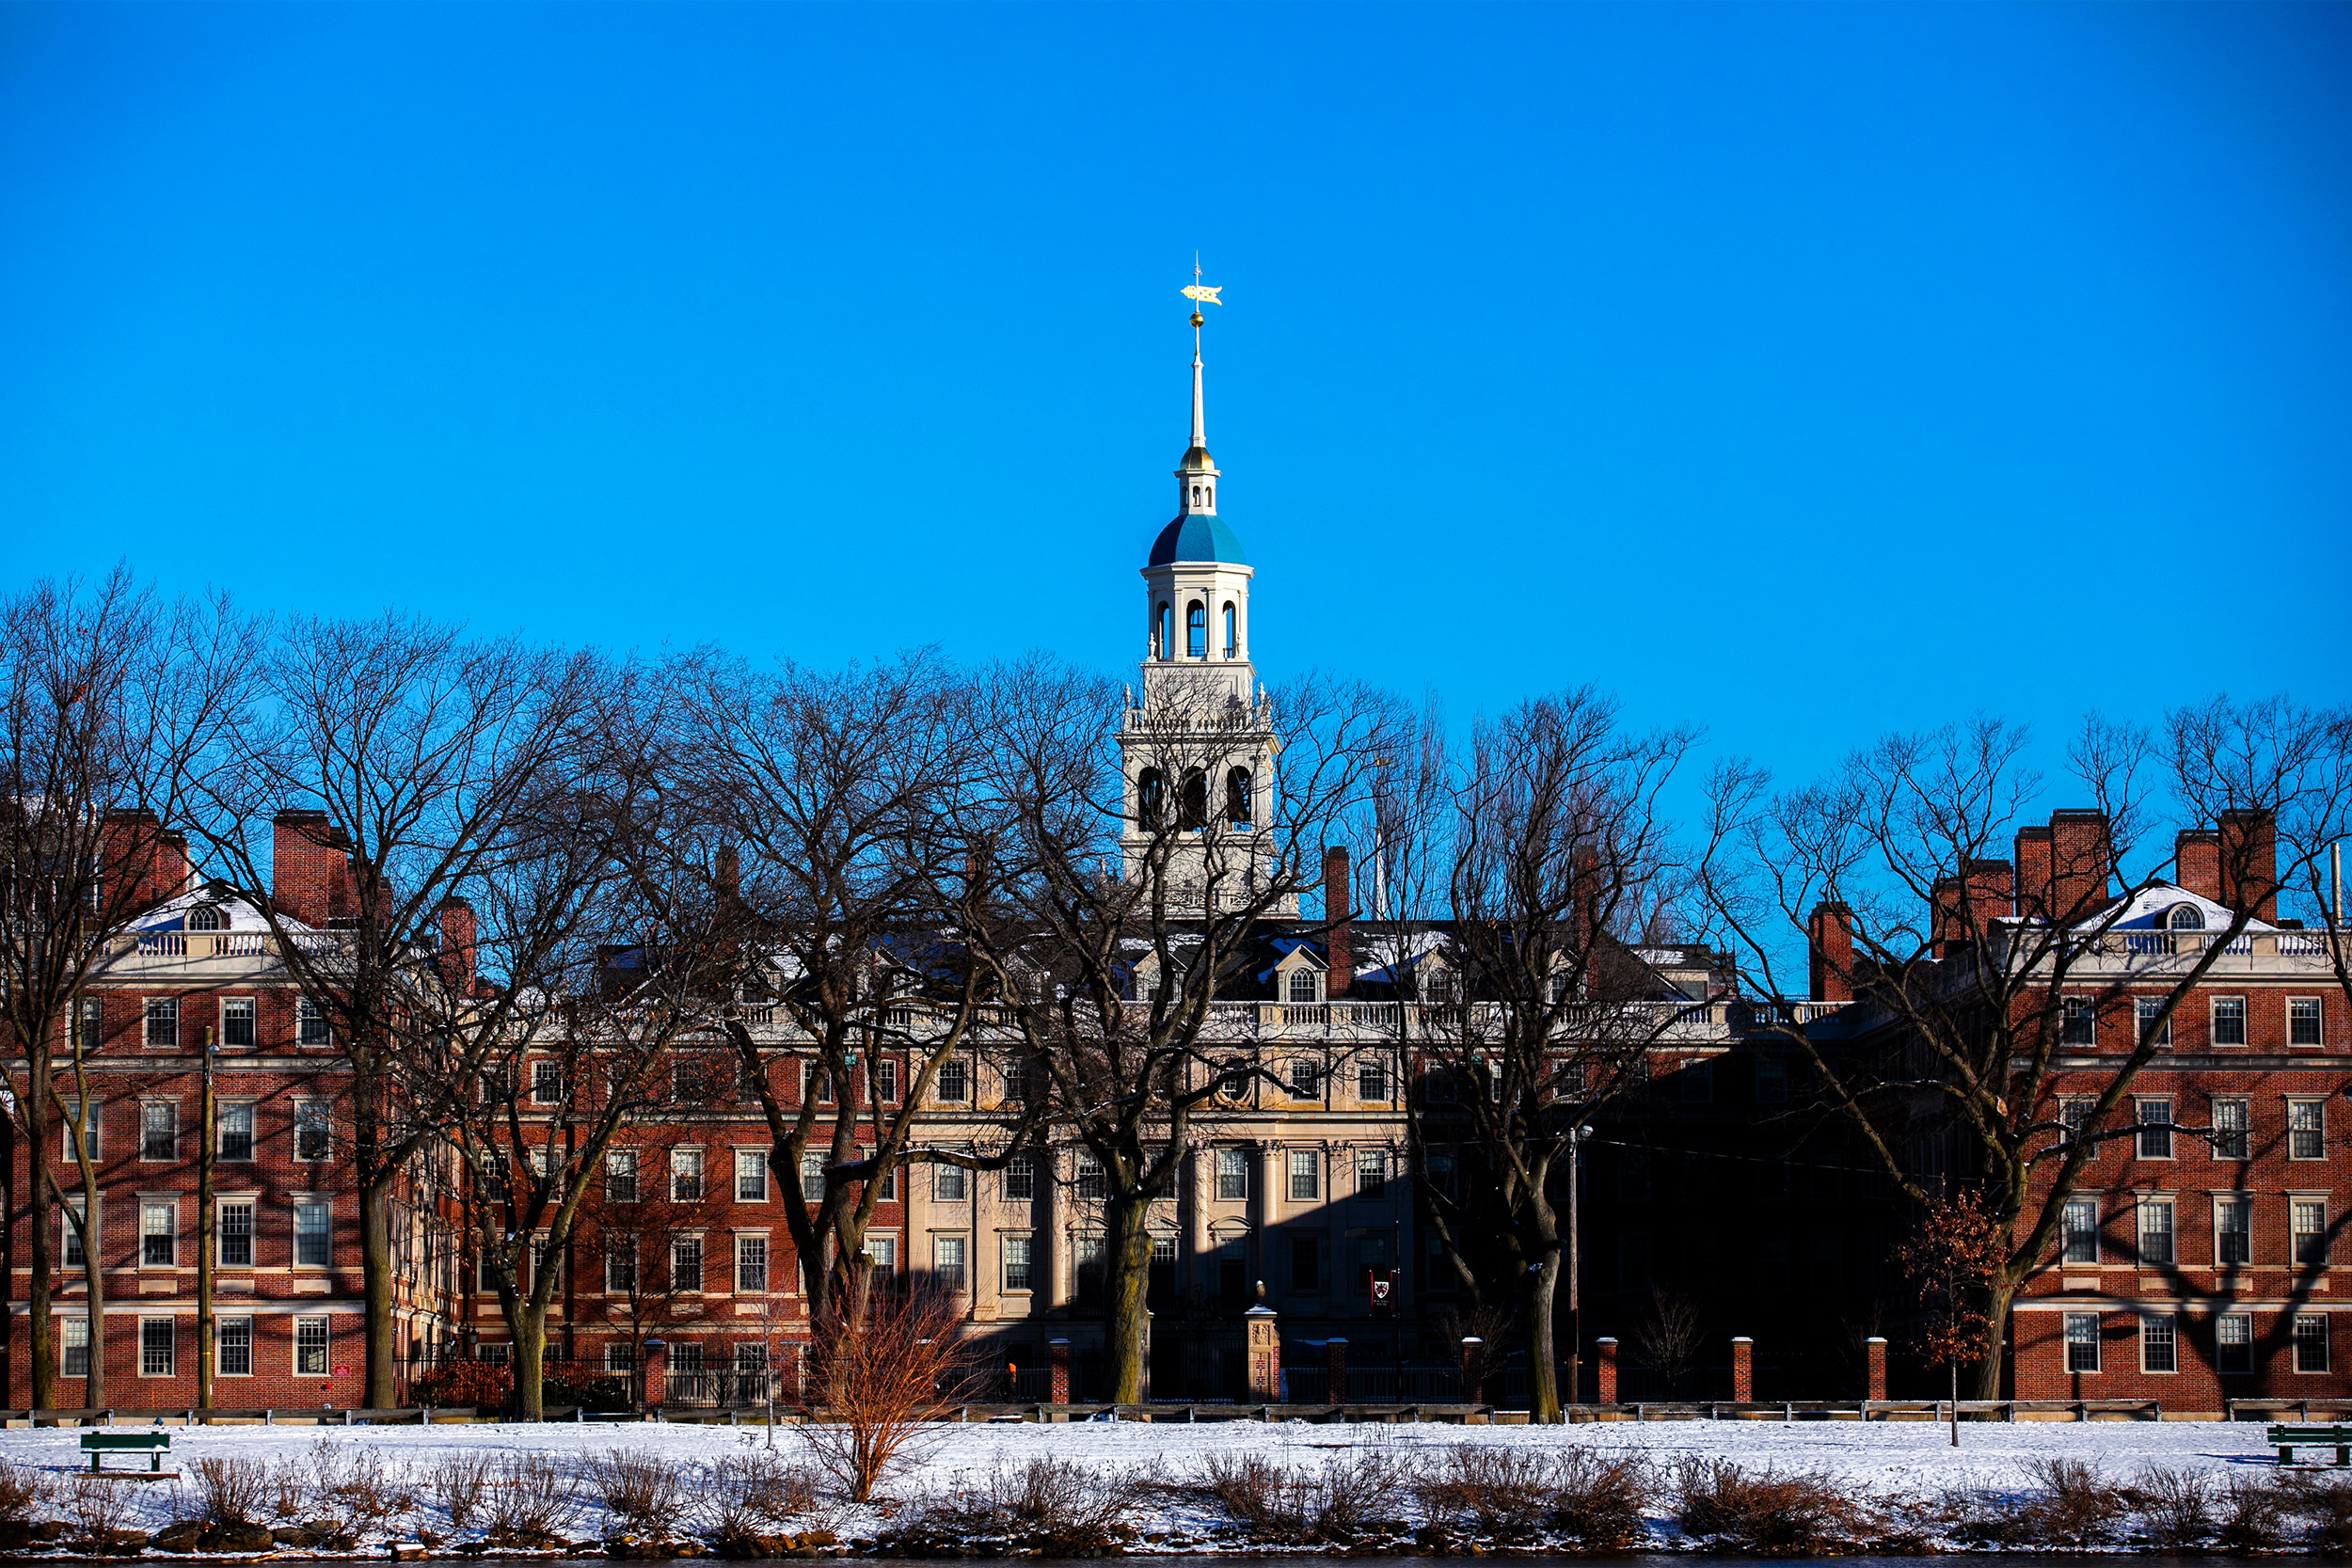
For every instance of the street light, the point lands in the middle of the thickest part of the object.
(1576, 1313)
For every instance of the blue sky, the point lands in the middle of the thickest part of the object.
(1801, 373)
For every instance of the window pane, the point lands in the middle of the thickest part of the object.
(2234, 1343)
(2082, 1342)
(158, 1236)
(620, 1176)
(2310, 1230)
(686, 1262)
(236, 1131)
(2155, 1232)
(233, 1346)
(236, 1235)
(315, 1135)
(2310, 1344)
(236, 1020)
(2303, 1021)
(751, 1263)
(948, 1261)
(310, 1347)
(2155, 1131)
(2233, 1230)
(2158, 1345)
(159, 1131)
(686, 1175)
(2145, 1011)
(1021, 1180)
(1016, 1263)
(2229, 1021)
(1232, 1174)
(2306, 1129)
(2230, 1126)
(310, 1025)
(159, 1340)
(1371, 1080)
(751, 1174)
(73, 1347)
(955, 1079)
(1371, 1172)
(1306, 1175)
(162, 1021)
(2082, 1230)
(947, 1183)
(313, 1235)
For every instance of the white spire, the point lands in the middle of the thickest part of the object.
(1196, 478)
(1200, 425)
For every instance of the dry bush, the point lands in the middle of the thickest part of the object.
(2078, 1506)
(287, 1483)
(641, 1490)
(2325, 1503)
(96, 1506)
(879, 1380)
(528, 1501)
(456, 1484)
(230, 1491)
(1980, 1517)
(21, 1490)
(1049, 1507)
(740, 1496)
(1337, 1503)
(2175, 1505)
(1766, 1510)
(1492, 1490)
(2253, 1515)
(349, 1492)
(1250, 1487)
(1598, 1498)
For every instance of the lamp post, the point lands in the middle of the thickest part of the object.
(1576, 1299)
(206, 1329)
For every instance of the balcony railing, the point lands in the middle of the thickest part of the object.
(193, 946)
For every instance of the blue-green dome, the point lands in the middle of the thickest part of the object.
(1196, 536)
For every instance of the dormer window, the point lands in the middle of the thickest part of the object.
(1304, 985)
(2185, 917)
(206, 917)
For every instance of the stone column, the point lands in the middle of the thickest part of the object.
(1265, 1342)
(1058, 1350)
(1743, 1370)
(1605, 1353)
(1337, 1350)
(1877, 1343)
(1472, 1348)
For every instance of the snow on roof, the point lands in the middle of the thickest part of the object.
(2152, 908)
(1418, 945)
(236, 914)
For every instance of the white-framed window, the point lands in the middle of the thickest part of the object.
(2156, 1129)
(882, 1253)
(73, 1347)
(237, 1029)
(1306, 1078)
(2229, 1021)
(547, 1082)
(69, 1248)
(2156, 1230)
(751, 1355)
(2233, 1120)
(2079, 1022)
(2307, 1220)
(1021, 1180)
(686, 1261)
(2074, 1115)
(955, 1080)
(2160, 1343)
(232, 1347)
(889, 1192)
(159, 1347)
(620, 1265)
(314, 1131)
(751, 1174)
(1306, 1175)
(162, 1023)
(311, 1346)
(234, 1233)
(1232, 1174)
(816, 1083)
(620, 1356)
(2082, 1342)
(91, 1032)
(2303, 1022)
(947, 1262)
(620, 1174)
(2148, 1015)
(310, 1027)
(159, 1235)
(89, 1132)
(812, 1177)
(686, 1176)
(2234, 1343)
(949, 1183)
(2306, 1129)
(751, 1264)
(2082, 1230)
(235, 1121)
(2232, 1230)
(314, 1235)
(159, 1131)
(1371, 1172)
(1371, 1080)
(885, 1079)
(2310, 1342)
(1304, 985)
(1089, 1175)
(1016, 1082)
(1016, 1250)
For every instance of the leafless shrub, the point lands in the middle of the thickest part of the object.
(1766, 1510)
(2253, 1515)
(288, 1484)
(1337, 1503)
(1050, 1507)
(1598, 1498)
(879, 1377)
(230, 1491)
(96, 1506)
(1669, 1336)
(2176, 1505)
(2325, 1503)
(1980, 1517)
(456, 1484)
(347, 1491)
(2078, 1506)
(641, 1490)
(21, 1490)
(741, 1494)
(1250, 1486)
(528, 1500)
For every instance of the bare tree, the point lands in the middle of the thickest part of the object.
(1555, 837)
(1668, 1335)
(110, 706)
(1971, 978)
(1140, 863)
(420, 759)
(632, 1220)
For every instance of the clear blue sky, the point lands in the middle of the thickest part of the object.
(1802, 372)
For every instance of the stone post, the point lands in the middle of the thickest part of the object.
(1472, 1348)
(1877, 1343)
(1264, 1344)
(1743, 1370)
(657, 1368)
(1337, 1350)
(1057, 1352)
(1605, 1352)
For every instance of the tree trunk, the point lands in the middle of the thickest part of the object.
(1127, 1269)
(528, 1328)
(40, 1331)
(375, 1273)
(1537, 1287)
(94, 1282)
(1999, 1293)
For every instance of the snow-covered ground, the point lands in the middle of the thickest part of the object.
(1887, 1459)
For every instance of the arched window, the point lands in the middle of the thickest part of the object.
(2185, 917)
(1303, 985)
(1232, 627)
(1196, 630)
(1193, 809)
(1196, 495)
(1150, 798)
(1237, 806)
(206, 918)
(1164, 637)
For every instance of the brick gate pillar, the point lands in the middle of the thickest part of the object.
(1472, 1348)
(1336, 1350)
(1606, 1349)
(1264, 1352)
(1743, 1370)
(1057, 1352)
(657, 1372)
(1878, 1366)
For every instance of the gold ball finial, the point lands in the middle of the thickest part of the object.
(1195, 318)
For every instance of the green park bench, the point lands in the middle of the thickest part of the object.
(154, 1444)
(2287, 1439)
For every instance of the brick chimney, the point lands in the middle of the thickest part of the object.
(2033, 873)
(141, 863)
(2079, 864)
(1336, 911)
(309, 870)
(2197, 861)
(1990, 896)
(455, 918)
(1829, 940)
(2250, 863)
